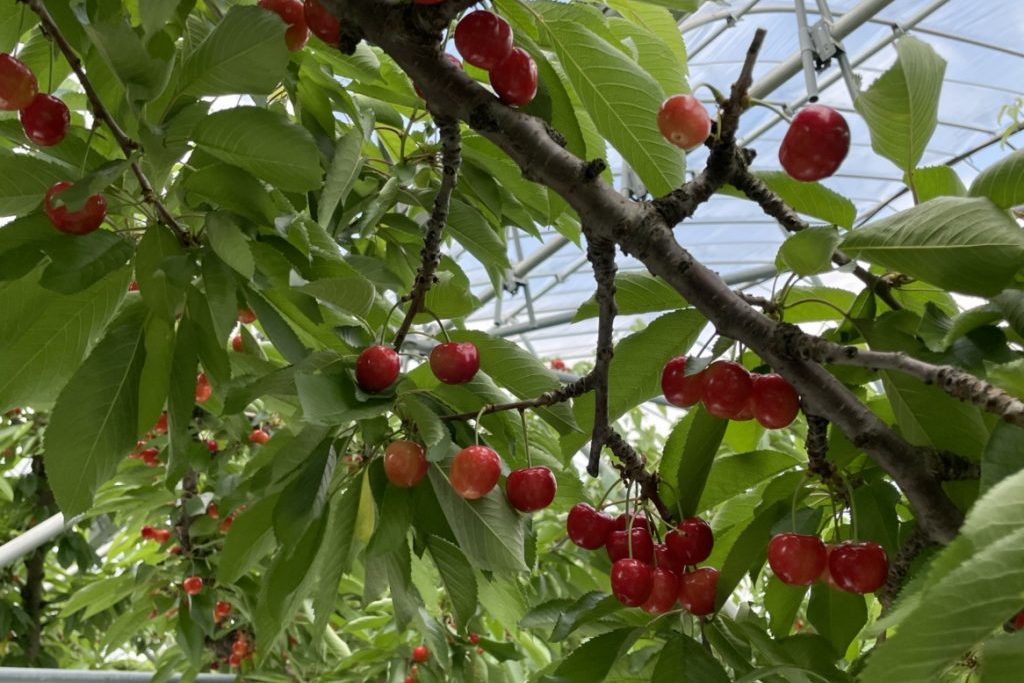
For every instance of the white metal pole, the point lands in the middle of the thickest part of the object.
(20, 675)
(41, 533)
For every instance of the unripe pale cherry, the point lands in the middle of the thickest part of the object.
(684, 121)
(475, 471)
(405, 463)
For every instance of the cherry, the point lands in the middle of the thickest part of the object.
(421, 654)
(858, 567)
(377, 369)
(726, 388)
(193, 585)
(246, 316)
(221, 610)
(81, 222)
(531, 489)
(405, 463)
(691, 541)
(237, 343)
(259, 437)
(46, 120)
(293, 14)
(455, 362)
(588, 528)
(796, 559)
(773, 401)
(235, 661)
(17, 84)
(826, 575)
(161, 536)
(619, 542)
(684, 121)
(515, 78)
(322, 23)
(697, 591)
(559, 365)
(639, 520)
(664, 591)
(475, 471)
(161, 424)
(474, 638)
(1018, 621)
(679, 388)
(150, 456)
(451, 59)
(816, 143)
(212, 511)
(664, 558)
(632, 582)
(746, 413)
(203, 389)
(483, 39)
(212, 446)
(148, 532)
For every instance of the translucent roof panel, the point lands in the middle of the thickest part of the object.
(732, 236)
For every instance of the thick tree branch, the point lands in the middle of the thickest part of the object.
(952, 380)
(818, 463)
(601, 254)
(899, 567)
(35, 570)
(633, 469)
(451, 159)
(641, 231)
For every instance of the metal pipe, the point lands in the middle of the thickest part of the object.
(20, 675)
(730, 21)
(559, 278)
(41, 533)
(803, 34)
(844, 61)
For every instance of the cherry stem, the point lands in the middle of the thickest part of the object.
(792, 504)
(601, 505)
(853, 507)
(387, 320)
(629, 522)
(779, 111)
(439, 324)
(476, 428)
(526, 438)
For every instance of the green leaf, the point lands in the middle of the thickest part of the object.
(338, 550)
(750, 550)
(593, 660)
(342, 174)
(251, 538)
(963, 245)
(24, 179)
(783, 603)
(588, 608)
(1002, 658)
(875, 505)
(230, 244)
(161, 270)
(353, 295)
(1001, 458)
(477, 235)
(457, 575)
(245, 53)
(734, 474)
(1002, 182)
(689, 454)
(652, 54)
(901, 107)
(636, 293)
(622, 100)
(429, 426)
(808, 252)
(143, 72)
(836, 615)
(811, 199)
(188, 634)
(93, 423)
(1011, 303)
(938, 331)
(488, 530)
(229, 187)
(181, 397)
(332, 400)
(98, 180)
(937, 181)
(79, 261)
(684, 660)
(662, 24)
(156, 372)
(304, 500)
(392, 523)
(265, 143)
(44, 335)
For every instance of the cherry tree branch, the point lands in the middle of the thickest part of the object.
(451, 159)
(633, 469)
(601, 254)
(127, 145)
(560, 395)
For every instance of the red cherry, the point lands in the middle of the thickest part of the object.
(17, 84)
(133, 286)
(826, 575)
(632, 582)
(246, 316)
(405, 463)
(664, 558)
(161, 536)
(816, 143)
(474, 638)
(773, 401)
(475, 471)
(559, 365)
(259, 437)
(531, 489)
(726, 388)
(697, 591)
(691, 542)
(587, 527)
(377, 368)
(322, 23)
(212, 512)
(203, 389)
(639, 520)
(515, 78)
(664, 591)
(451, 59)
(212, 446)
(796, 559)
(148, 532)
(746, 413)
(221, 610)
(455, 362)
(193, 585)
(293, 14)
(858, 567)
(679, 389)
(161, 424)
(1018, 621)
(483, 39)
(177, 550)
(235, 661)
(225, 526)
(46, 120)
(684, 121)
(237, 343)
(87, 219)
(421, 654)
(619, 542)
(150, 456)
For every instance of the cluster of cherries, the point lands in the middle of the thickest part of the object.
(241, 648)
(303, 18)
(727, 390)
(852, 566)
(46, 120)
(160, 536)
(377, 367)
(485, 40)
(645, 574)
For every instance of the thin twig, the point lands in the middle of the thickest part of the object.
(818, 463)
(560, 395)
(601, 253)
(451, 159)
(634, 470)
(127, 145)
